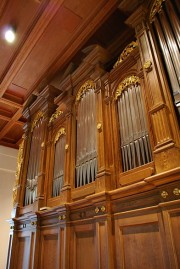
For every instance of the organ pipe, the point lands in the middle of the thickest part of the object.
(86, 151)
(59, 157)
(34, 160)
(135, 146)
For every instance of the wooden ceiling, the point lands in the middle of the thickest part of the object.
(49, 35)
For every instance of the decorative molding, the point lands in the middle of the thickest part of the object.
(125, 83)
(19, 164)
(84, 88)
(126, 52)
(39, 115)
(59, 133)
(156, 8)
(147, 66)
(54, 116)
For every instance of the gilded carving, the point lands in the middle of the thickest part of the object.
(84, 88)
(59, 133)
(55, 115)
(99, 127)
(96, 210)
(176, 191)
(19, 164)
(126, 52)
(37, 118)
(156, 7)
(103, 209)
(164, 194)
(147, 66)
(131, 80)
(66, 147)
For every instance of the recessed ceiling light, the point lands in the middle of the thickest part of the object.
(10, 35)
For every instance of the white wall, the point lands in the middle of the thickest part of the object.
(8, 164)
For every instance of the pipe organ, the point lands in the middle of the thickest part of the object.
(98, 182)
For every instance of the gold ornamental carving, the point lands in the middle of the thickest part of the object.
(19, 164)
(176, 191)
(103, 209)
(62, 217)
(96, 210)
(66, 147)
(131, 80)
(54, 116)
(59, 133)
(164, 194)
(156, 8)
(88, 85)
(126, 52)
(99, 127)
(37, 118)
(147, 66)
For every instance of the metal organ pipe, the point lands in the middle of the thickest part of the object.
(59, 157)
(86, 152)
(33, 166)
(135, 146)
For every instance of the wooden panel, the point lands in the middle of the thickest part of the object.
(83, 247)
(49, 251)
(23, 252)
(175, 225)
(139, 245)
(142, 248)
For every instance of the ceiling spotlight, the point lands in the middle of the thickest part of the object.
(10, 35)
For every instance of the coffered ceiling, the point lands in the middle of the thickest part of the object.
(49, 35)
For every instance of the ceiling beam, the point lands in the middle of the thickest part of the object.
(10, 103)
(5, 118)
(9, 125)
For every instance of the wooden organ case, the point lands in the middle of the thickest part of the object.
(98, 180)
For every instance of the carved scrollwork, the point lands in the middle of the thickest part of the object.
(156, 8)
(131, 80)
(147, 66)
(84, 88)
(37, 118)
(19, 164)
(54, 116)
(126, 52)
(59, 133)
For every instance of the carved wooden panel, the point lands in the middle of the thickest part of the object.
(82, 252)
